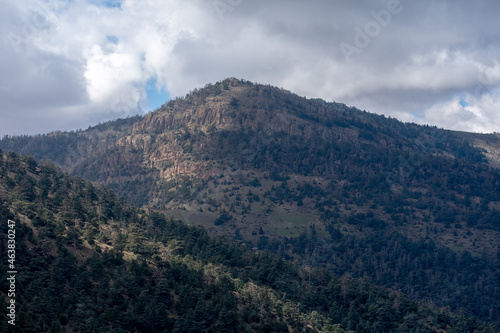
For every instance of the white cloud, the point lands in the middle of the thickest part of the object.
(107, 74)
(75, 63)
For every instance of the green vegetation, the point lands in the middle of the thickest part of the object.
(223, 218)
(89, 262)
(412, 209)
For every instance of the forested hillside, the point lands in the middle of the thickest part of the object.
(413, 209)
(89, 262)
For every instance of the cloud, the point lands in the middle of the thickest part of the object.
(74, 63)
(466, 113)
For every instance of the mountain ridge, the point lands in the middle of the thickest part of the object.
(235, 128)
(317, 182)
(156, 118)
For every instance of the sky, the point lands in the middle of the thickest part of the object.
(69, 64)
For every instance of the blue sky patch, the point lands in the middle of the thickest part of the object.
(113, 3)
(107, 3)
(112, 39)
(156, 98)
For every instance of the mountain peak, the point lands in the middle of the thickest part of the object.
(310, 179)
(232, 81)
(234, 104)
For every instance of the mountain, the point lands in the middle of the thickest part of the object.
(86, 261)
(410, 208)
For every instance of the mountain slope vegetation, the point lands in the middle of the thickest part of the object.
(89, 262)
(412, 208)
